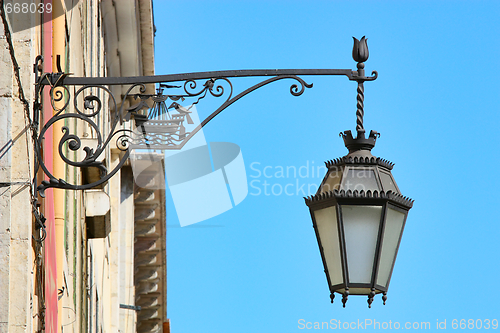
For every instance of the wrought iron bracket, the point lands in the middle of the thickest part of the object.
(82, 99)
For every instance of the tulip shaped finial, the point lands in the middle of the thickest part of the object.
(360, 49)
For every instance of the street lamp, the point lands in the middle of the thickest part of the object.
(358, 213)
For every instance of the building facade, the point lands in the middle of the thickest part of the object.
(96, 260)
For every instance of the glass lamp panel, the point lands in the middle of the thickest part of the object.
(388, 183)
(332, 180)
(326, 223)
(361, 227)
(360, 179)
(392, 233)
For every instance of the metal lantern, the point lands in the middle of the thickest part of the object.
(359, 216)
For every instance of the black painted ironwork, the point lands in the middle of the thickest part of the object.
(360, 55)
(161, 126)
(159, 120)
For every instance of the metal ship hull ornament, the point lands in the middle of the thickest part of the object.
(161, 127)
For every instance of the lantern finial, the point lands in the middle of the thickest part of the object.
(360, 50)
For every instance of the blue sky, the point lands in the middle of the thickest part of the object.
(257, 267)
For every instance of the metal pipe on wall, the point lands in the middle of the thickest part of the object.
(58, 62)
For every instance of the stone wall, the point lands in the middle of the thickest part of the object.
(16, 172)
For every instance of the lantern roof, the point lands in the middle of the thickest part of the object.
(359, 160)
(359, 174)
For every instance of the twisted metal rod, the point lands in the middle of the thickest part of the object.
(360, 105)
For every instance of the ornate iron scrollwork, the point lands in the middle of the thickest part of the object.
(159, 118)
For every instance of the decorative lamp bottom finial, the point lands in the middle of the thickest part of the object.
(370, 298)
(345, 296)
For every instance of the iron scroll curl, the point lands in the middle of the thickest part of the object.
(88, 114)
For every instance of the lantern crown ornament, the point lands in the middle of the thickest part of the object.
(359, 214)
